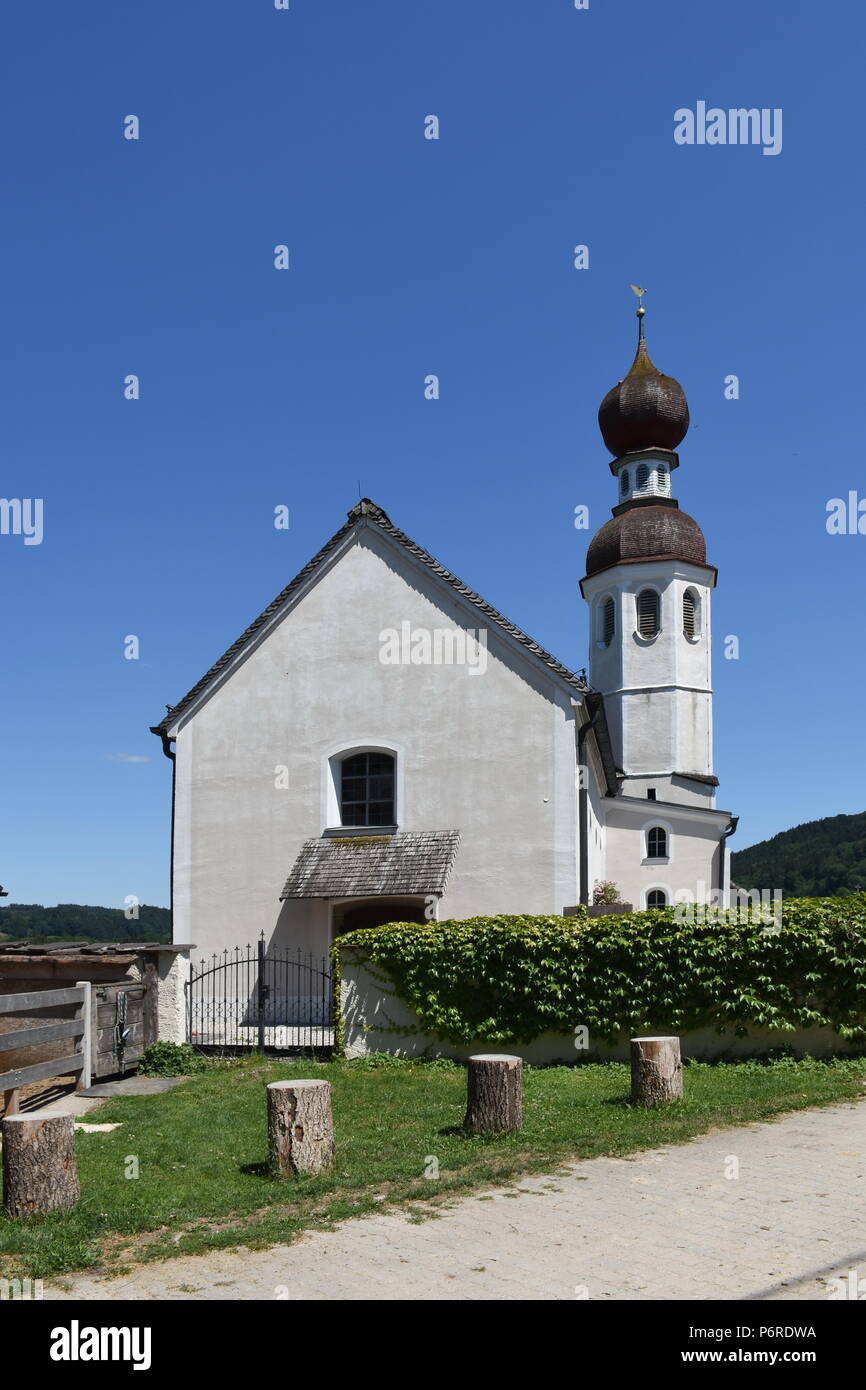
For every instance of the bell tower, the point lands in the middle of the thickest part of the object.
(649, 591)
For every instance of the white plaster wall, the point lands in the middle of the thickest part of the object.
(596, 828)
(605, 663)
(174, 970)
(658, 692)
(693, 862)
(669, 788)
(182, 907)
(491, 755)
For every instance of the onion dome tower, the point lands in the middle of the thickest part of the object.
(648, 587)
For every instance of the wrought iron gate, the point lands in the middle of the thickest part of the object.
(251, 997)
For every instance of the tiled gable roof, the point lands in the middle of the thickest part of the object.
(367, 512)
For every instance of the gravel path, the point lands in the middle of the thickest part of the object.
(667, 1223)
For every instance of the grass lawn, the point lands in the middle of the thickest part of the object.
(201, 1148)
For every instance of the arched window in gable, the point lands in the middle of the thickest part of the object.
(367, 789)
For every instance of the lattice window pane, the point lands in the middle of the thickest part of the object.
(367, 789)
(657, 843)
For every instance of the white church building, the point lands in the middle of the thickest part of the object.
(381, 744)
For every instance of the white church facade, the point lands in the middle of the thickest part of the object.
(382, 744)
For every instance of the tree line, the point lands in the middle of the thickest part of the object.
(77, 922)
(821, 858)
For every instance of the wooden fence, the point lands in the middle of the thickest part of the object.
(44, 1001)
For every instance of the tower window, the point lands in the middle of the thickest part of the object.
(691, 605)
(657, 898)
(657, 842)
(662, 479)
(642, 477)
(623, 482)
(648, 613)
(367, 789)
(608, 621)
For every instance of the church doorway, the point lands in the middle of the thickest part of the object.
(375, 912)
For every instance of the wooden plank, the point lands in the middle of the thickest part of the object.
(41, 1071)
(10, 1102)
(35, 1037)
(42, 999)
(85, 1016)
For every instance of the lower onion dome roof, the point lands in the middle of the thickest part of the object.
(646, 533)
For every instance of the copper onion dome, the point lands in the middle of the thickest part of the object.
(646, 410)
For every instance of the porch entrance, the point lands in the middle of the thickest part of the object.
(376, 912)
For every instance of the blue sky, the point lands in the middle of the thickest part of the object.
(409, 257)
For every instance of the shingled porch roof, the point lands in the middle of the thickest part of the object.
(368, 866)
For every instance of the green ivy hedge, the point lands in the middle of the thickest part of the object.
(509, 979)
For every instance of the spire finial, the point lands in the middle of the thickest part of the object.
(646, 410)
(640, 311)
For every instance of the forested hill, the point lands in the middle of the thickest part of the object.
(75, 922)
(823, 858)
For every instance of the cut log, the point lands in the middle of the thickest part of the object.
(656, 1071)
(494, 1100)
(39, 1169)
(300, 1127)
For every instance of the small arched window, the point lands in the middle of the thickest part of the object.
(657, 842)
(661, 479)
(623, 481)
(691, 608)
(648, 618)
(367, 789)
(608, 621)
(642, 477)
(657, 898)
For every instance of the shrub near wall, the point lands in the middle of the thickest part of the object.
(511, 979)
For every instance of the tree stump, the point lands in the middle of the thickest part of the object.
(494, 1102)
(300, 1127)
(656, 1071)
(39, 1169)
